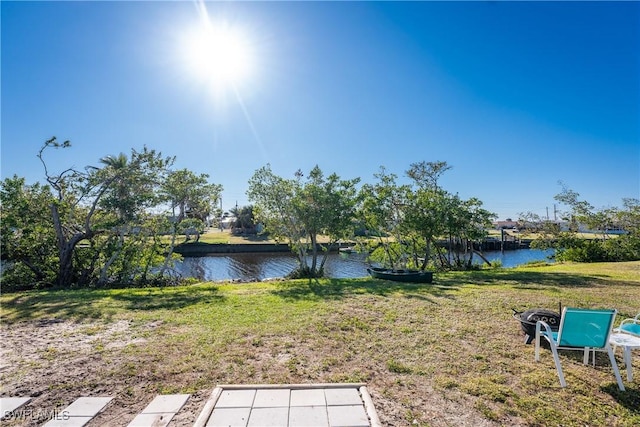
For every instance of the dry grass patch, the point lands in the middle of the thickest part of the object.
(447, 354)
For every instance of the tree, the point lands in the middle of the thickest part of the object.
(99, 202)
(273, 197)
(381, 213)
(98, 225)
(410, 220)
(581, 214)
(466, 224)
(629, 217)
(191, 194)
(325, 206)
(245, 220)
(426, 174)
(195, 198)
(27, 235)
(300, 210)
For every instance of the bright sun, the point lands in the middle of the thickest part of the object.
(218, 54)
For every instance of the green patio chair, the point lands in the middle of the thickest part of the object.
(580, 329)
(630, 326)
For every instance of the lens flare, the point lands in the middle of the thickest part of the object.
(218, 54)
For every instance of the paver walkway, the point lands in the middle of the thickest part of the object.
(79, 412)
(9, 405)
(294, 405)
(160, 411)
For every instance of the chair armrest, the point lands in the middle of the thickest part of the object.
(548, 333)
(630, 326)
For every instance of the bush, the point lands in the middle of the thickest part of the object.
(623, 248)
(305, 272)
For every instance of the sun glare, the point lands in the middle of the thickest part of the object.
(217, 54)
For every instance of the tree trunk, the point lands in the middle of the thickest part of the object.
(39, 275)
(165, 266)
(114, 256)
(427, 254)
(482, 256)
(314, 252)
(65, 266)
(65, 249)
(65, 260)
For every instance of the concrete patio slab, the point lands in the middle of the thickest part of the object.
(160, 411)
(308, 416)
(166, 403)
(236, 398)
(9, 405)
(86, 406)
(157, 419)
(342, 396)
(79, 412)
(229, 417)
(269, 417)
(290, 405)
(308, 397)
(272, 398)
(348, 416)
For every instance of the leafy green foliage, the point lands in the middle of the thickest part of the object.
(605, 247)
(245, 220)
(27, 236)
(299, 210)
(623, 248)
(411, 221)
(191, 194)
(94, 227)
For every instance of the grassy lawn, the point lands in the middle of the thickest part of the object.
(445, 354)
(215, 236)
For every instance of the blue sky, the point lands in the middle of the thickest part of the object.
(515, 96)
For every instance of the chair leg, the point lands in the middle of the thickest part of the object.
(614, 365)
(589, 353)
(537, 338)
(627, 361)
(556, 359)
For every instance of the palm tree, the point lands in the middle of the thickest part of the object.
(244, 218)
(119, 200)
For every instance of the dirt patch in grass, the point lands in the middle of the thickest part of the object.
(57, 361)
(447, 354)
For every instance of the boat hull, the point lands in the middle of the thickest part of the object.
(409, 276)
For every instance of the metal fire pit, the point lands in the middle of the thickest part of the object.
(529, 318)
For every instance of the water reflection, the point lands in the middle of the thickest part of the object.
(521, 256)
(257, 266)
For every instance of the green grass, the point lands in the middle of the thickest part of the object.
(454, 340)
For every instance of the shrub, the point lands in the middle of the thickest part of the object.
(623, 248)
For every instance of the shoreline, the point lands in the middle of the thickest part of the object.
(195, 249)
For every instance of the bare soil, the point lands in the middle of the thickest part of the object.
(57, 361)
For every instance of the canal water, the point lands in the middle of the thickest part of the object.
(258, 266)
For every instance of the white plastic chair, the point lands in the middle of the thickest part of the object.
(580, 329)
(630, 326)
(627, 336)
